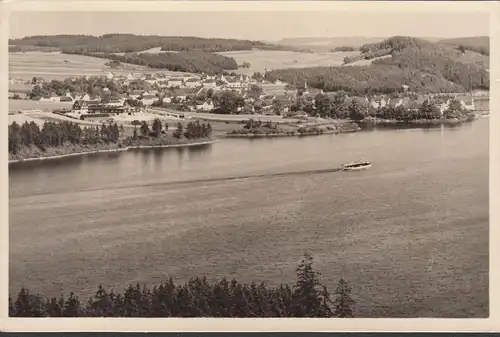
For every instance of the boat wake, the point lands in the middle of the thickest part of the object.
(196, 181)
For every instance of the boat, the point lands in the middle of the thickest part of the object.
(356, 166)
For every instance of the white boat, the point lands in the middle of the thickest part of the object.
(356, 166)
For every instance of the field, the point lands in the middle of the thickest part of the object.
(16, 105)
(261, 60)
(60, 66)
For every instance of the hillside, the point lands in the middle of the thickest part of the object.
(188, 61)
(422, 65)
(479, 44)
(130, 43)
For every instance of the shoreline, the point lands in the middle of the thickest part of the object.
(379, 121)
(118, 149)
(277, 135)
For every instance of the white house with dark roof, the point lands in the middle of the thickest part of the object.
(210, 83)
(148, 100)
(175, 82)
(136, 94)
(192, 83)
(467, 102)
(208, 105)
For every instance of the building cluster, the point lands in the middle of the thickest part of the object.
(195, 92)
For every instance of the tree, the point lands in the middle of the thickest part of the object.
(277, 107)
(256, 90)
(179, 131)
(357, 110)
(308, 295)
(343, 303)
(454, 110)
(166, 126)
(157, 127)
(258, 76)
(323, 105)
(144, 129)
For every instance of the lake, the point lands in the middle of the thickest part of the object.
(410, 234)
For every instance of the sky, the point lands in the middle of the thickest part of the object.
(264, 25)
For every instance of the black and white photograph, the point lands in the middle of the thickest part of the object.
(279, 163)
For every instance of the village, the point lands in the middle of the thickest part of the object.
(180, 96)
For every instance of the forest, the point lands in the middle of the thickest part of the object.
(188, 61)
(130, 43)
(423, 66)
(479, 44)
(198, 297)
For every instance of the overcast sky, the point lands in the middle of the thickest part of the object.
(252, 25)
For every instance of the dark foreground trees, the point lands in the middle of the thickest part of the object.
(198, 298)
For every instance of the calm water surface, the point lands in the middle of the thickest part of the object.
(410, 234)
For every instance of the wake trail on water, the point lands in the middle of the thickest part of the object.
(199, 181)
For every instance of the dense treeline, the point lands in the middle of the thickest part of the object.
(189, 61)
(479, 44)
(29, 48)
(199, 298)
(419, 64)
(53, 134)
(341, 107)
(130, 43)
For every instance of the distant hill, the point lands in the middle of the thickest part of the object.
(176, 53)
(422, 65)
(329, 43)
(130, 43)
(479, 44)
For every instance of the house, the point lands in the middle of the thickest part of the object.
(208, 105)
(467, 102)
(130, 77)
(175, 82)
(192, 83)
(80, 105)
(115, 101)
(394, 102)
(148, 99)
(109, 76)
(444, 106)
(233, 83)
(179, 95)
(136, 94)
(210, 83)
(37, 80)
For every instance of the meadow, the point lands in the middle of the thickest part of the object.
(59, 66)
(16, 105)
